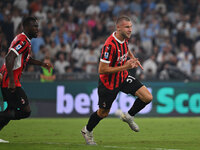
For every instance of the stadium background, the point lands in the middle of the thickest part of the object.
(165, 38)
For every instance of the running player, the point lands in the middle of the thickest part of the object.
(114, 77)
(18, 56)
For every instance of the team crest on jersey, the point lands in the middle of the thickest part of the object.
(106, 55)
(18, 47)
(22, 101)
(104, 104)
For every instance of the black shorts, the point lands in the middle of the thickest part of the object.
(106, 96)
(16, 99)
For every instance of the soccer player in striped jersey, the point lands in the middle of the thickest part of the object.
(114, 77)
(18, 56)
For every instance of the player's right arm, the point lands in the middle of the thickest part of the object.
(18, 46)
(104, 68)
(10, 58)
(108, 53)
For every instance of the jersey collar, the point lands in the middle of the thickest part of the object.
(26, 36)
(121, 42)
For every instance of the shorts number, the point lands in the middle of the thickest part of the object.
(130, 79)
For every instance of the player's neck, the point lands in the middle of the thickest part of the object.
(119, 36)
(27, 35)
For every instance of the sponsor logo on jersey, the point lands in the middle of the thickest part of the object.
(122, 58)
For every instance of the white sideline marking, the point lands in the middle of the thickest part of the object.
(106, 146)
(123, 147)
(50, 143)
(119, 147)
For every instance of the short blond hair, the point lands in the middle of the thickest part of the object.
(121, 18)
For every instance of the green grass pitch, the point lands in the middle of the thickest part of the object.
(111, 134)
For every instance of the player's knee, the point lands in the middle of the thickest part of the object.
(148, 98)
(103, 113)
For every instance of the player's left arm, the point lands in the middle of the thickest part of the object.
(130, 54)
(40, 63)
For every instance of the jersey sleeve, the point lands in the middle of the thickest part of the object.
(19, 46)
(107, 53)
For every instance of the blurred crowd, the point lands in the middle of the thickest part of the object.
(166, 34)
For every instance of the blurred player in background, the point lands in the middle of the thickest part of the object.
(47, 75)
(18, 56)
(114, 77)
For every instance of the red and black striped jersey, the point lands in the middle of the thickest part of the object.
(115, 53)
(21, 46)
